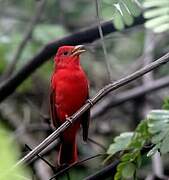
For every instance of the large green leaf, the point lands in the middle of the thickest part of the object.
(120, 143)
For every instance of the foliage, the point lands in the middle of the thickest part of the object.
(121, 143)
(158, 123)
(9, 154)
(121, 11)
(157, 14)
(154, 129)
(131, 160)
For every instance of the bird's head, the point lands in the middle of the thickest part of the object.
(68, 55)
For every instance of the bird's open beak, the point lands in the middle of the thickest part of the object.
(78, 50)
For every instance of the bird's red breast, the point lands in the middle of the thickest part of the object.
(71, 91)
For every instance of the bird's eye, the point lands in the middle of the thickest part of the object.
(65, 53)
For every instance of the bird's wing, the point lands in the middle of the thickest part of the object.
(85, 120)
(53, 112)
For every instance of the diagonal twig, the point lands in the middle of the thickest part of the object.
(74, 164)
(97, 143)
(43, 159)
(108, 171)
(103, 92)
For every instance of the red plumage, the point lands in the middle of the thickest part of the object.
(69, 91)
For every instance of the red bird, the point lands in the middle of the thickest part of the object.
(69, 92)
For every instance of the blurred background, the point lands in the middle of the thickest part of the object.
(25, 27)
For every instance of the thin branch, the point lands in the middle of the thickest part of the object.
(83, 36)
(43, 159)
(26, 37)
(73, 165)
(108, 65)
(103, 92)
(97, 143)
(105, 172)
(46, 151)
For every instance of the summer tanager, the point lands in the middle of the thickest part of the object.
(69, 92)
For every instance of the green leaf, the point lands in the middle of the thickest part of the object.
(154, 3)
(140, 136)
(118, 21)
(108, 11)
(117, 176)
(156, 12)
(133, 7)
(152, 23)
(119, 170)
(120, 143)
(127, 17)
(133, 143)
(127, 157)
(137, 143)
(161, 28)
(143, 129)
(127, 166)
(158, 115)
(130, 156)
(155, 127)
(139, 159)
(159, 137)
(164, 148)
(128, 170)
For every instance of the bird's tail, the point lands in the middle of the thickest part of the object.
(67, 152)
